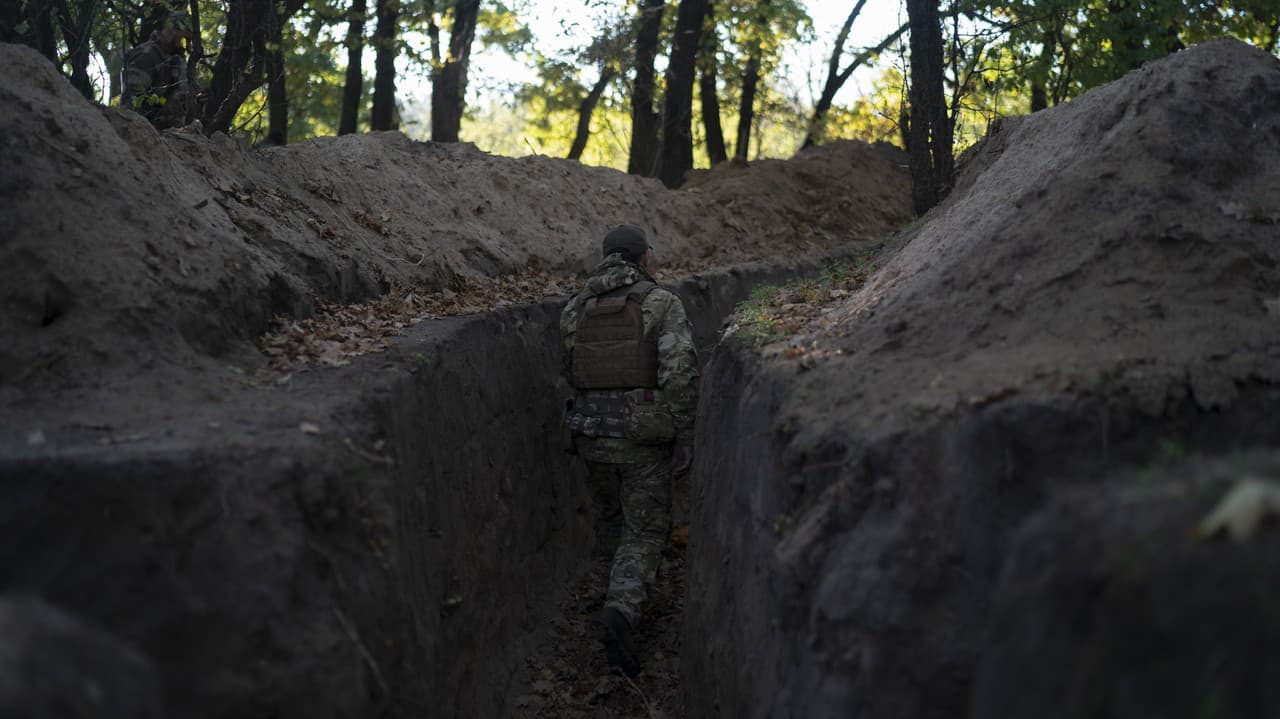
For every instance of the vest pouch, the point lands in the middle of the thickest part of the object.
(566, 428)
(648, 421)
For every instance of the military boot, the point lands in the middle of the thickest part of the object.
(614, 632)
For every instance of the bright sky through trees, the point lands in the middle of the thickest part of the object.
(564, 24)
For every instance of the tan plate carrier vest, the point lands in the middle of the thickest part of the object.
(610, 350)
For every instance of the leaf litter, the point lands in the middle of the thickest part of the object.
(338, 333)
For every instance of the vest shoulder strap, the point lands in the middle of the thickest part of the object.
(640, 290)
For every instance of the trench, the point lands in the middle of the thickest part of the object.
(952, 569)
(400, 556)
(426, 549)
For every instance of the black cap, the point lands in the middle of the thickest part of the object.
(631, 240)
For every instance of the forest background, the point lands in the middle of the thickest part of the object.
(652, 87)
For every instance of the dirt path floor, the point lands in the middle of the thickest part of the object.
(568, 677)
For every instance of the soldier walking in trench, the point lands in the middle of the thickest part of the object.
(154, 77)
(629, 354)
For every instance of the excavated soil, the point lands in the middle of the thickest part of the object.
(1101, 287)
(132, 257)
(1121, 243)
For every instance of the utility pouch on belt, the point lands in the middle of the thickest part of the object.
(566, 432)
(647, 419)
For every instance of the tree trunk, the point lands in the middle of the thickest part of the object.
(930, 147)
(277, 97)
(707, 88)
(10, 19)
(433, 34)
(196, 55)
(40, 30)
(76, 32)
(834, 81)
(586, 109)
(747, 108)
(836, 78)
(383, 115)
(113, 60)
(239, 69)
(1040, 76)
(353, 89)
(677, 111)
(643, 159)
(448, 91)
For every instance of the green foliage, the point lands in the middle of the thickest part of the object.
(752, 24)
(1065, 47)
(873, 117)
(500, 26)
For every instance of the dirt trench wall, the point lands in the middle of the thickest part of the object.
(858, 579)
(1098, 295)
(397, 552)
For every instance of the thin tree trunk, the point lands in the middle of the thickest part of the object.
(1040, 75)
(643, 158)
(677, 111)
(836, 78)
(747, 107)
(448, 92)
(277, 96)
(238, 70)
(433, 34)
(930, 147)
(10, 19)
(113, 60)
(353, 88)
(197, 54)
(707, 89)
(586, 109)
(383, 114)
(40, 31)
(76, 31)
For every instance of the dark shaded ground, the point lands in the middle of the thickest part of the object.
(569, 677)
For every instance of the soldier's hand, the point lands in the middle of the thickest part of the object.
(681, 462)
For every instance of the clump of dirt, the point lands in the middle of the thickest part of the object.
(135, 253)
(1119, 244)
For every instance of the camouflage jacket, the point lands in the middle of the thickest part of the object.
(155, 84)
(665, 319)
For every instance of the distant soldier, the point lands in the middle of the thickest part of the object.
(629, 353)
(155, 74)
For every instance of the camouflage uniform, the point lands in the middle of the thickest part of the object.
(155, 84)
(631, 482)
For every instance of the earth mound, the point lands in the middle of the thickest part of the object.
(1121, 244)
(1101, 289)
(131, 252)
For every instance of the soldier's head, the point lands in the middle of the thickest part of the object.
(175, 30)
(630, 241)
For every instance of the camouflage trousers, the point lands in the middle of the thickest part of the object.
(633, 515)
